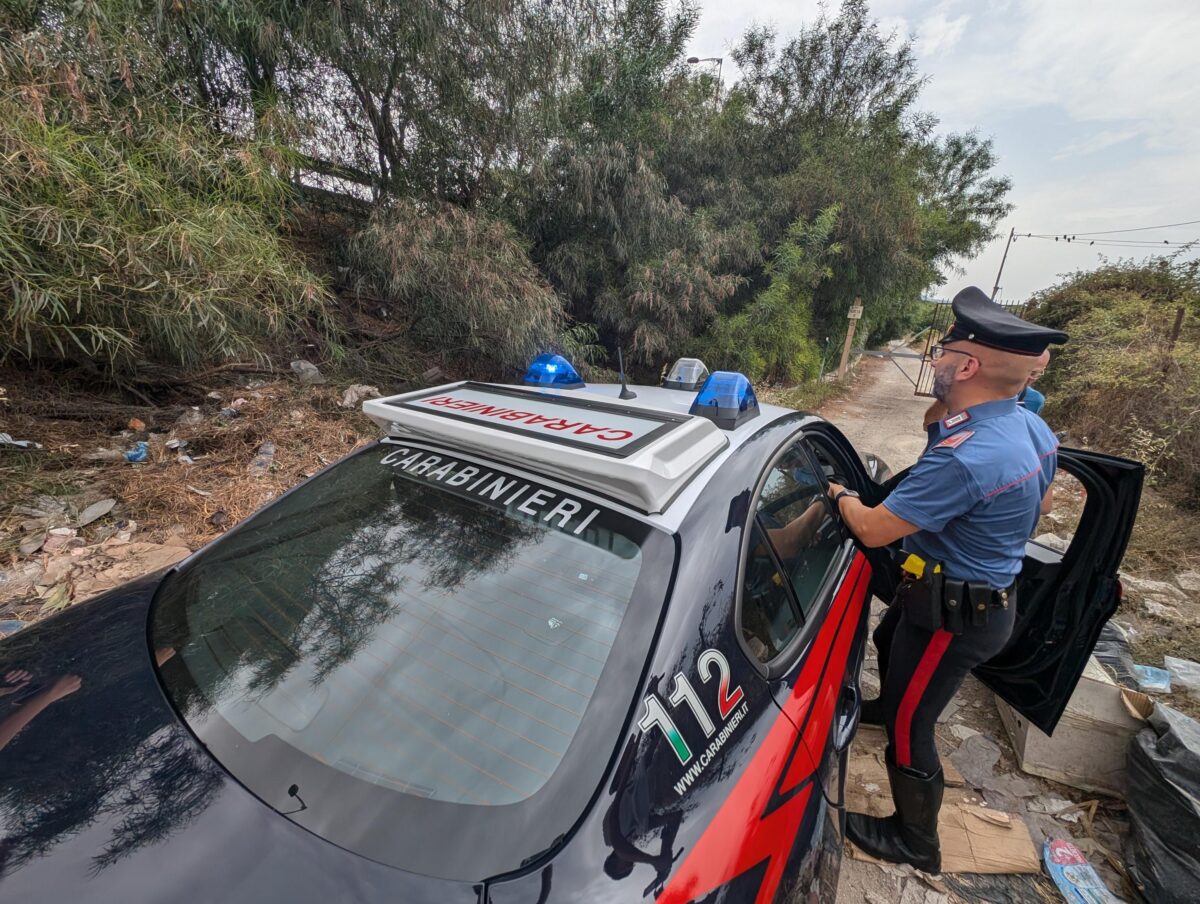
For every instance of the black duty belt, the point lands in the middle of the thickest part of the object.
(934, 601)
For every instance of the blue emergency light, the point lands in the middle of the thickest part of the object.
(552, 372)
(726, 398)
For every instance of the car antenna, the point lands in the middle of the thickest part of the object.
(626, 392)
(294, 791)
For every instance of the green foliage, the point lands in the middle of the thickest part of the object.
(136, 237)
(770, 339)
(1120, 383)
(619, 189)
(626, 255)
(461, 281)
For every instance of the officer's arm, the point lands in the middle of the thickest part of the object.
(1048, 500)
(872, 526)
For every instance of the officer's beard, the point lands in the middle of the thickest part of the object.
(943, 382)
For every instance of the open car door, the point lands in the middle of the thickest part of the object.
(1063, 599)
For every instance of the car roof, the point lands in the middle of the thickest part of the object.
(648, 451)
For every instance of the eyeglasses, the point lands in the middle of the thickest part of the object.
(938, 351)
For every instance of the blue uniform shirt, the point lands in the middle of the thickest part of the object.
(976, 491)
(1032, 400)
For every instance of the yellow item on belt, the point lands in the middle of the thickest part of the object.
(915, 566)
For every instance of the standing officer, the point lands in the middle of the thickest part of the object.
(965, 511)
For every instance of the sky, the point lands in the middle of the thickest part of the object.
(1093, 107)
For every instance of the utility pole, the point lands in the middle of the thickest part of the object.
(996, 288)
(856, 311)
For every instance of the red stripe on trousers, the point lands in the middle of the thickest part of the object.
(915, 690)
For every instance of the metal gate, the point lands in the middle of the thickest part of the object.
(939, 323)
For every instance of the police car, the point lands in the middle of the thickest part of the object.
(540, 643)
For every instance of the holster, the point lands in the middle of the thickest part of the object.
(921, 599)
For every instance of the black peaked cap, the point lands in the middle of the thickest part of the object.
(979, 319)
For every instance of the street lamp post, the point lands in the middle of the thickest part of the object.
(692, 61)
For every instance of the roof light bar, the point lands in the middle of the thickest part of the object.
(552, 372)
(727, 399)
(686, 373)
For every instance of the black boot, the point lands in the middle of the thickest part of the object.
(872, 712)
(910, 834)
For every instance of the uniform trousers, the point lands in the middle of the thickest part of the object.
(920, 671)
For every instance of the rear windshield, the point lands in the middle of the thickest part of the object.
(411, 621)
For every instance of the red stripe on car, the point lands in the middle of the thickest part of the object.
(742, 834)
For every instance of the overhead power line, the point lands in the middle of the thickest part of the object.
(1133, 229)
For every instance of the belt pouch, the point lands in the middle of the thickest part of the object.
(981, 600)
(955, 604)
(921, 605)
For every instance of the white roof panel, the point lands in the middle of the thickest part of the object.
(638, 453)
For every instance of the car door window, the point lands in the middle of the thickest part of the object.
(793, 543)
(798, 520)
(770, 617)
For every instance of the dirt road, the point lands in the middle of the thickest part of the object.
(881, 414)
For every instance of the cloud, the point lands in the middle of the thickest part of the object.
(939, 34)
(1096, 142)
(1100, 62)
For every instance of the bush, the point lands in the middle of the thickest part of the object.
(1120, 384)
(461, 280)
(769, 340)
(127, 237)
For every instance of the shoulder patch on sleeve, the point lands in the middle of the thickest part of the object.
(953, 442)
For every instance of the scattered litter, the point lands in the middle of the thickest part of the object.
(193, 417)
(1112, 651)
(260, 466)
(237, 404)
(95, 511)
(105, 455)
(139, 453)
(1162, 611)
(1053, 541)
(946, 714)
(10, 626)
(59, 598)
(1164, 807)
(218, 519)
(1052, 805)
(356, 393)
(197, 490)
(7, 440)
(975, 759)
(977, 839)
(1087, 750)
(57, 538)
(136, 424)
(1075, 877)
(228, 414)
(307, 373)
(19, 581)
(1185, 672)
(32, 544)
(176, 444)
(962, 732)
(1145, 587)
(214, 395)
(871, 787)
(433, 375)
(1151, 680)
